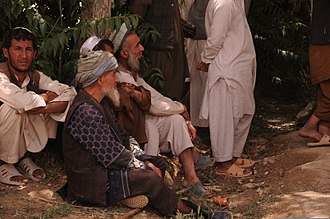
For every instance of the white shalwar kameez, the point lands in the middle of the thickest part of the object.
(197, 78)
(197, 82)
(228, 100)
(165, 127)
(20, 131)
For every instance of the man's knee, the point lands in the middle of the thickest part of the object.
(177, 118)
(10, 119)
(151, 178)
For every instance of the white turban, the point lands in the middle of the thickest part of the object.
(92, 64)
(90, 43)
(117, 37)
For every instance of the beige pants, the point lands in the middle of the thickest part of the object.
(166, 134)
(23, 132)
(228, 134)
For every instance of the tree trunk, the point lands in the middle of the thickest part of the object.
(97, 8)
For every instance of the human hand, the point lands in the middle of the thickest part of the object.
(202, 66)
(185, 113)
(192, 130)
(131, 91)
(49, 96)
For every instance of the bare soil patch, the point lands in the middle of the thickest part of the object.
(290, 180)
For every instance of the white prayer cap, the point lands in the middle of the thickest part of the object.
(90, 43)
(117, 37)
(92, 64)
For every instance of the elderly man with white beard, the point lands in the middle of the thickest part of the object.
(167, 122)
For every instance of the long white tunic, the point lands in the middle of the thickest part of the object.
(165, 127)
(20, 131)
(228, 96)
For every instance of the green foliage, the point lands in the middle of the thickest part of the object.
(280, 37)
(281, 43)
(120, 8)
(148, 34)
(156, 79)
(53, 22)
(60, 29)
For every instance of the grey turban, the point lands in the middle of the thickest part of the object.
(92, 64)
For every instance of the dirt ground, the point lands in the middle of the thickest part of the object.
(290, 180)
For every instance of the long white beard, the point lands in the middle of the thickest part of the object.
(113, 95)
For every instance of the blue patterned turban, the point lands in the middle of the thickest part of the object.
(92, 64)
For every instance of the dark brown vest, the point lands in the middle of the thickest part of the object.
(87, 178)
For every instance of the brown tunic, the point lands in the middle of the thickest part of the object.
(131, 114)
(168, 52)
(319, 58)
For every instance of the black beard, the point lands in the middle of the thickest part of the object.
(144, 68)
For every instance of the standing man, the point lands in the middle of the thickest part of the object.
(30, 106)
(195, 45)
(229, 60)
(168, 52)
(319, 61)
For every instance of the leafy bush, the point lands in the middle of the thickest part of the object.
(60, 31)
(281, 43)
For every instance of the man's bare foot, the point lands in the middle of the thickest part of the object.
(186, 183)
(20, 179)
(310, 133)
(39, 174)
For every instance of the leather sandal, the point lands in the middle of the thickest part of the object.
(244, 163)
(234, 171)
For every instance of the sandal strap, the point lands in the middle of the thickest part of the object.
(244, 163)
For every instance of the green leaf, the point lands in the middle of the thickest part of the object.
(135, 21)
(118, 23)
(127, 23)
(43, 26)
(111, 23)
(93, 24)
(84, 29)
(54, 44)
(61, 39)
(76, 33)
(102, 26)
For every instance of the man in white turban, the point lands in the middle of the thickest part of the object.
(167, 122)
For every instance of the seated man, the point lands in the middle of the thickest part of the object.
(96, 150)
(30, 106)
(166, 129)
